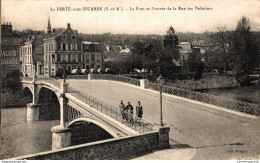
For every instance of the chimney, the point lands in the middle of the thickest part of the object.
(53, 30)
(68, 25)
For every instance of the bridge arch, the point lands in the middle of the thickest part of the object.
(27, 95)
(49, 104)
(85, 130)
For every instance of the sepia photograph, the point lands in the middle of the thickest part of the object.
(130, 80)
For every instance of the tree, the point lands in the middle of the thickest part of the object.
(171, 38)
(245, 47)
(169, 52)
(11, 82)
(194, 63)
(222, 40)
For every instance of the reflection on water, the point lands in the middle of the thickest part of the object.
(247, 94)
(19, 137)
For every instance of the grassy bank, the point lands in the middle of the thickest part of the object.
(207, 82)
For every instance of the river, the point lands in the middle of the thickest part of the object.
(249, 94)
(19, 137)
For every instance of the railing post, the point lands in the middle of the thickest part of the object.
(143, 83)
(89, 77)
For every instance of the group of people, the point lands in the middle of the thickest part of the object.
(128, 111)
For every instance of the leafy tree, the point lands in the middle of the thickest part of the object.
(171, 38)
(169, 52)
(194, 63)
(11, 82)
(245, 47)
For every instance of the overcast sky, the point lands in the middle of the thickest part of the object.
(33, 14)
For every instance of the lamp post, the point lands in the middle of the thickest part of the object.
(64, 75)
(160, 81)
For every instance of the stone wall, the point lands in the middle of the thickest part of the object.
(116, 149)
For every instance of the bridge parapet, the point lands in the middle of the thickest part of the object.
(126, 118)
(115, 78)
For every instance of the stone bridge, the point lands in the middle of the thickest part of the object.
(83, 118)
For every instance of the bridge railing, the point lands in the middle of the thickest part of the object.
(52, 81)
(231, 104)
(115, 78)
(126, 118)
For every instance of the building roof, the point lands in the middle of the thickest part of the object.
(185, 47)
(56, 33)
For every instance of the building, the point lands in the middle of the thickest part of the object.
(65, 49)
(184, 50)
(31, 55)
(93, 55)
(9, 49)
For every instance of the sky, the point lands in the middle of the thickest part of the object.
(33, 14)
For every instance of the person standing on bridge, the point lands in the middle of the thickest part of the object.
(123, 110)
(130, 110)
(139, 112)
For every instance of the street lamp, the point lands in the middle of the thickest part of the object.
(160, 81)
(64, 75)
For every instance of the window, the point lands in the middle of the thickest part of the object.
(69, 58)
(73, 38)
(63, 37)
(53, 58)
(49, 47)
(79, 58)
(63, 46)
(92, 57)
(58, 57)
(73, 58)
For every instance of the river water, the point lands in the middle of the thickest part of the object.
(19, 137)
(249, 94)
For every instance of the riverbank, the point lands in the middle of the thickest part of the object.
(250, 94)
(207, 82)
